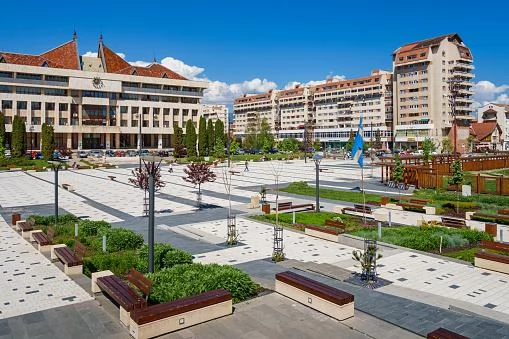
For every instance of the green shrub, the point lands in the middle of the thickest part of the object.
(191, 279)
(165, 256)
(118, 263)
(50, 219)
(92, 228)
(464, 205)
(120, 239)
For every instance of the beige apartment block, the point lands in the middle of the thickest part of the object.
(216, 112)
(96, 102)
(500, 114)
(432, 81)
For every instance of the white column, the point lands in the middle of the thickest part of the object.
(159, 141)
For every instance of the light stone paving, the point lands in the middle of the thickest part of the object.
(30, 282)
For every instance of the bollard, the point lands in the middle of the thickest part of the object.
(293, 220)
(440, 249)
(390, 219)
(380, 230)
(75, 229)
(104, 243)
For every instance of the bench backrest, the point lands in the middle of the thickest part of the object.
(330, 222)
(447, 220)
(419, 201)
(494, 245)
(284, 204)
(504, 211)
(80, 249)
(50, 233)
(362, 207)
(140, 281)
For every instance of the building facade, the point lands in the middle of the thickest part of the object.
(432, 91)
(500, 114)
(331, 110)
(96, 102)
(216, 112)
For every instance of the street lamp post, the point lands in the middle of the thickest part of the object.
(140, 120)
(317, 158)
(152, 168)
(31, 140)
(56, 166)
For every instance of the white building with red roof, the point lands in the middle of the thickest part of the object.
(96, 102)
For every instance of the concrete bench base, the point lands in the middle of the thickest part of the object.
(16, 227)
(339, 312)
(72, 270)
(430, 209)
(491, 265)
(94, 287)
(53, 256)
(322, 235)
(31, 236)
(179, 321)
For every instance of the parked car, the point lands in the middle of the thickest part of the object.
(131, 153)
(82, 154)
(109, 153)
(96, 153)
(120, 153)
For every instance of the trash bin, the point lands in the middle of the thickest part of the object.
(266, 208)
(15, 218)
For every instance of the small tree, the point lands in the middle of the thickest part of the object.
(446, 145)
(197, 174)
(140, 180)
(190, 139)
(219, 147)
(202, 137)
(427, 148)
(219, 134)
(317, 145)
(179, 141)
(2, 135)
(211, 139)
(234, 146)
(349, 143)
(47, 141)
(456, 179)
(378, 140)
(19, 137)
(367, 260)
(398, 171)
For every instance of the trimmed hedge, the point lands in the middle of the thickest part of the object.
(191, 279)
(165, 256)
(118, 263)
(121, 239)
(45, 220)
(92, 228)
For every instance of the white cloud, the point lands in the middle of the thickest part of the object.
(139, 63)
(292, 84)
(486, 92)
(221, 92)
(90, 54)
(187, 71)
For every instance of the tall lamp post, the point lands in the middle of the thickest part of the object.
(152, 164)
(317, 158)
(140, 121)
(56, 166)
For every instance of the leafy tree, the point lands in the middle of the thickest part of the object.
(47, 141)
(266, 139)
(179, 141)
(2, 135)
(427, 148)
(317, 145)
(398, 170)
(378, 140)
(19, 137)
(211, 139)
(190, 139)
(234, 146)
(470, 142)
(197, 174)
(446, 145)
(288, 145)
(202, 137)
(456, 178)
(140, 177)
(219, 134)
(349, 143)
(219, 147)
(252, 130)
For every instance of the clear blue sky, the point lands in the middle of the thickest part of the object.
(281, 41)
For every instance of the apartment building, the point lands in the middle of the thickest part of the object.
(432, 92)
(216, 112)
(96, 102)
(500, 114)
(332, 110)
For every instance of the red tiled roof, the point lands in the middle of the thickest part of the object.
(112, 62)
(64, 56)
(481, 130)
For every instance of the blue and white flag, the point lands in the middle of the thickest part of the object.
(358, 146)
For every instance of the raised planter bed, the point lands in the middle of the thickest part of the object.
(323, 233)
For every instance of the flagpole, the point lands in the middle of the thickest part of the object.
(363, 196)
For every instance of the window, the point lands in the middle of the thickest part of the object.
(62, 107)
(28, 90)
(6, 75)
(22, 105)
(36, 106)
(6, 104)
(57, 78)
(55, 92)
(50, 106)
(29, 76)
(151, 86)
(5, 89)
(123, 109)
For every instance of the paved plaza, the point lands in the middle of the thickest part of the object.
(31, 283)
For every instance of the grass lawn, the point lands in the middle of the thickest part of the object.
(466, 255)
(302, 188)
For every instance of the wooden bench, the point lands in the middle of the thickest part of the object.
(498, 218)
(336, 224)
(321, 297)
(285, 206)
(72, 260)
(159, 319)
(453, 222)
(111, 177)
(26, 227)
(411, 206)
(442, 333)
(321, 232)
(504, 211)
(43, 240)
(119, 290)
(490, 260)
(357, 208)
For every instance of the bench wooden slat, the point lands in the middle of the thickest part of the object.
(41, 238)
(67, 256)
(494, 245)
(452, 222)
(501, 258)
(334, 231)
(442, 333)
(140, 281)
(171, 308)
(319, 289)
(118, 289)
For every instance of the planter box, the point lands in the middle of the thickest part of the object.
(325, 234)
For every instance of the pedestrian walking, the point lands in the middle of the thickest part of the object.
(171, 168)
(246, 168)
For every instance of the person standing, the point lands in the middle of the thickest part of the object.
(171, 168)
(246, 168)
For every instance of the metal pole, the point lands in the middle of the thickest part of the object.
(228, 143)
(139, 138)
(317, 185)
(55, 168)
(151, 180)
